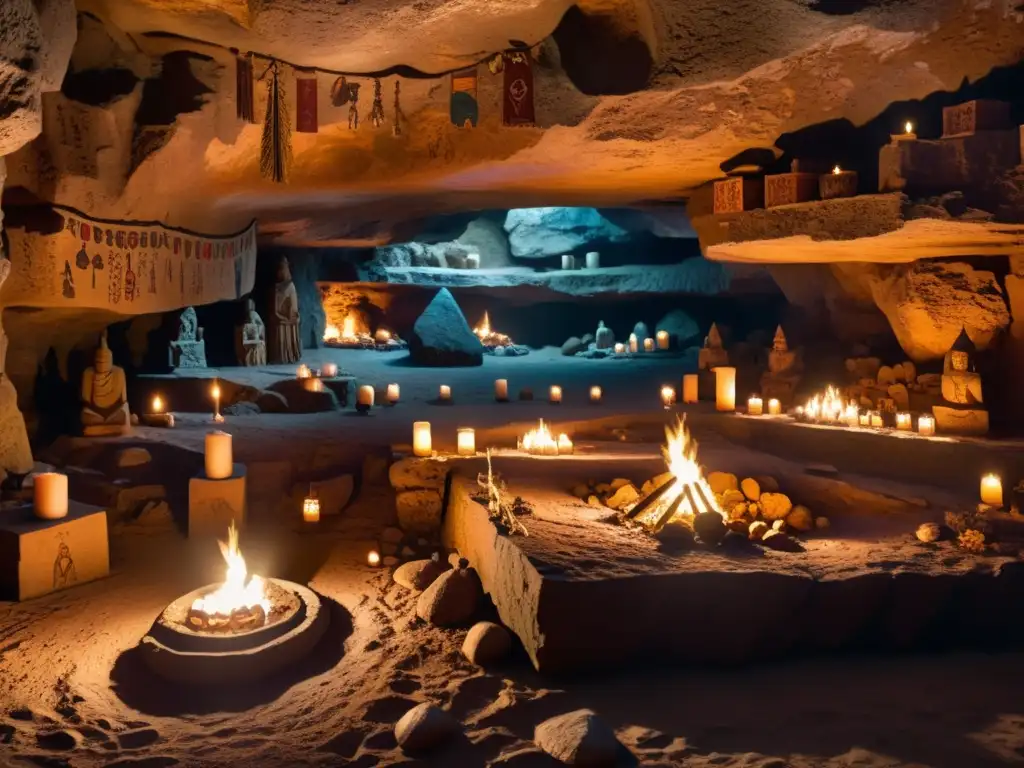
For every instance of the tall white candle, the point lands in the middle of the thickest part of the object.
(466, 441)
(364, 396)
(444, 393)
(219, 458)
(992, 490)
(663, 339)
(690, 388)
(668, 396)
(501, 389)
(50, 495)
(725, 388)
(568, 261)
(393, 393)
(593, 260)
(421, 438)
(555, 394)
(903, 421)
(633, 343)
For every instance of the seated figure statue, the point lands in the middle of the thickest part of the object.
(714, 353)
(104, 396)
(189, 349)
(964, 412)
(251, 338)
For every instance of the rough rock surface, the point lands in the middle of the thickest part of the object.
(410, 473)
(419, 511)
(579, 738)
(419, 574)
(486, 643)
(538, 232)
(775, 506)
(424, 728)
(441, 335)
(452, 599)
(680, 326)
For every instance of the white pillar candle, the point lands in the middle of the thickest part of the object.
(620, 348)
(555, 394)
(444, 393)
(421, 438)
(593, 260)
(663, 339)
(926, 425)
(690, 388)
(903, 421)
(311, 509)
(501, 390)
(564, 444)
(755, 406)
(466, 441)
(633, 343)
(648, 344)
(595, 394)
(303, 372)
(991, 491)
(568, 261)
(329, 370)
(50, 494)
(725, 388)
(219, 459)
(393, 392)
(364, 396)
(774, 407)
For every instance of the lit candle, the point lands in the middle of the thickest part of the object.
(564, 444)
(595, 394)
(303, 372)
(662, 339)
(215, 391)
(633, 344)
(774, 407)
(876, 419)
(364, 398)
(444, 393)
(620, 348)
(501, 390)
(690, 388)
(837, 170)
(219, 459)
(755, 406)
(311, 509)
(329, 370)
(466, 441)
(903, 421)
(865, 419)
(158, 404)
(50, 495)
(648, 344)
(908, 127)
(393, 392)
(555, 394)
(991, 490)
(668, 396)
(725, 388)
(421, 438)
(926, 425)
(373, 558)
(313, 385)
(382, 336)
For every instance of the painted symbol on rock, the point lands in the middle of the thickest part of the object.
(69, 281)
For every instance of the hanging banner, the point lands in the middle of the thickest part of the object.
(116, 265)
(517, 105)
(463, 109)
(305, 102)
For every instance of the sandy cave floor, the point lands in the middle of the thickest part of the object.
(73, 693)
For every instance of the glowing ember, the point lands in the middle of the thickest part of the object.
(541, 442)
(489, 337)
(238, 600)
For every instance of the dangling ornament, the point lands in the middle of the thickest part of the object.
(353, 106)
(377, 113)
(244, 97)
(305, 101)
(276, 148)
(396, 127)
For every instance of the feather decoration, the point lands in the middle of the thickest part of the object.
(276, 149)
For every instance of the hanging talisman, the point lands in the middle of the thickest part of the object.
(377, 113)
(305, 101)
(463, 108)
(353, 106)
(517, 104)
(276, 148)
(244, 97)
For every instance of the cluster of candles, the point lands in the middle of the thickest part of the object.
(327, 371)
(660, 341)
(755, 406)
(831, 408)
(542, 442)
(422, 445)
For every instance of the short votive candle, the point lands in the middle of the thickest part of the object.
(421, 438)
(311, 509)
(50, 495)
(620, 348)
(564, 444)
(648, 344)
(501, 390)
(364, 396)
(926, 425)
(313, 385)
(466, 437)
(329, 370)
(755, 406)
(555, 394)
(595, 394)
(393, 393)
(662, 339)
(992, 490)
(303, 372)
(774, 407)
(903, 421)
(668, 396)
(633, 343)
(690, 388)
(444, 393)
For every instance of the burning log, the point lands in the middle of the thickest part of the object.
(645, 503)
(669, 513)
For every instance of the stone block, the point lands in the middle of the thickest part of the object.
(934, 167)
(833, 185)
(214, 504)
(187, 354)
(341, 386)
(789, 188)
(38, 557)
(978, 115)
(960, 421)
(738, 194)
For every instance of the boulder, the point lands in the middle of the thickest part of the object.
(781, 542)
(414, 472)
(757, 530)
(579, 738)
(486, 237)
(775, 506)
(676, 534)
(751, 489)
(417, 575)
(452, 599)
(298, 399)
(424, 728)
(800, 519)
(680, 326)
(624, 496)
(271, 402)
(929, 532)
(709, 527)
(486, 643)
(587, 339)
(535, 233)
(419, 511)
(133, 457)
(442, 337)
(573, 345)
(721, 482)
(604, 337)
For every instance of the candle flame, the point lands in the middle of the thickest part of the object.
(837, 170)
(158, 404)
(373, 558)
(215, 391)
(908, 127)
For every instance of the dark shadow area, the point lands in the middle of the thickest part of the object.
(846, 7)
(98, 87)
(137, 686)
(601, 54)
(57, 402)
(175, 91)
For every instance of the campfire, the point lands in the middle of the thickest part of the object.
(489, 337)
(347, 334)
(541, 442)
(239, 604)
(685, 493)
(829, 408)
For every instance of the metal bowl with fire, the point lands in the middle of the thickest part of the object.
(243, 628)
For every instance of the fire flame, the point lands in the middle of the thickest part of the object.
(347, 332)
(236, 592)
(332, 333)
(488, 336)
(541, 442)
(680, 452)
(484, 329)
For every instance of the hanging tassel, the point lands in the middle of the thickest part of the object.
(306, 119)
(244, 97)
(276, 149)
(396, 126)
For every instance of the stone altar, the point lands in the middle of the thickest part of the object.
(189, 349)
(104, 396)
(965, 413)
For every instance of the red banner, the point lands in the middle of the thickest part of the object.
(306, 114)
(517, 105)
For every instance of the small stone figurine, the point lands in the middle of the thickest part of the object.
(714, 353)
(605, 337)
(189, 349)
(965, 413)
(104, 396)
(784, 370)
(251, 338)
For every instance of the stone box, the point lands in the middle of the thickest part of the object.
(738, 194)
(833, 185)
(214, 504)
(978, 115)
(789, 188)
(38, 557)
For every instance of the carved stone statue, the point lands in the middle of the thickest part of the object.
(189, 349)
(714, 353)
(104, 396)
(961, 388)
(285, 345)
(251, 338)
(784, 370)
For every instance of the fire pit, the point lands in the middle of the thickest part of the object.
(496, 343)
(242, 629)
(351, 336)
